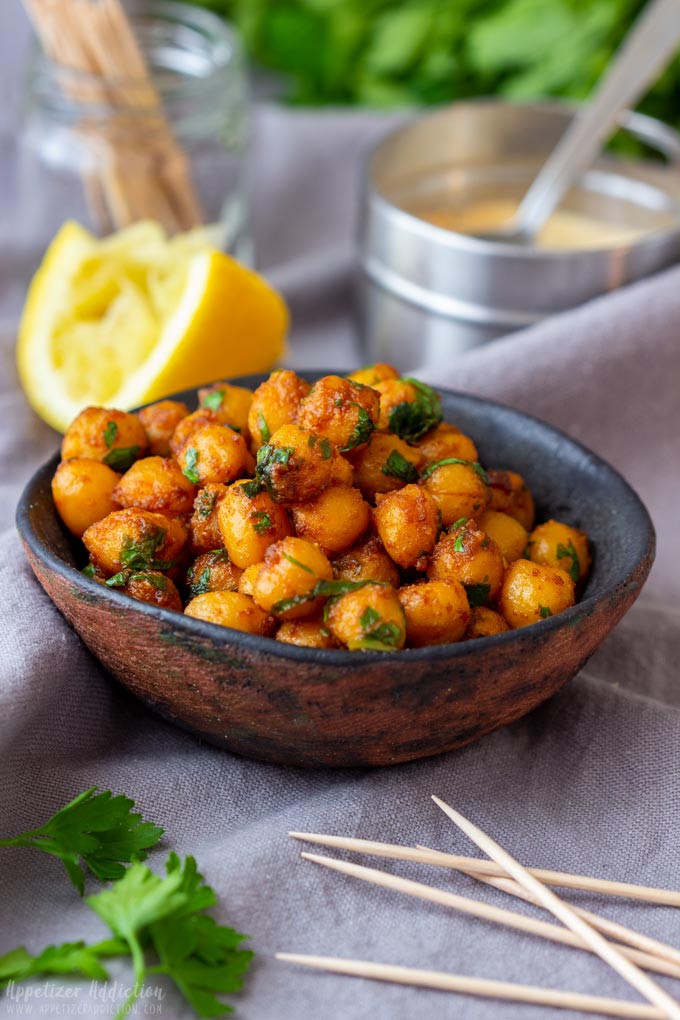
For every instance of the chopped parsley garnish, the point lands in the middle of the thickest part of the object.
(191, 460)
(384, 637)
(412, 419)
(110, 433)
(458, 545)
(311, 440)
(267, 456)
(140, 555)
(338, 401)
(478, 594)
(397, 466)
(206, 503)
(544, 612)
(213, 400)
(122, 457)
(263, 427)
(369, 617)
(89, 570)
(363, 429)
(477, 468)
(459, 523)
(120, 579)
(328, 589)
(201, 586)
(326, 449)
(297, 563)
(569, 552)
(262, 522)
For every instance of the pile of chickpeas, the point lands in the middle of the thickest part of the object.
(344, 514)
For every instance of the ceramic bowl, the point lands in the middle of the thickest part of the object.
(310, 707)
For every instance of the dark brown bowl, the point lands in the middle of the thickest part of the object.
(298, 706)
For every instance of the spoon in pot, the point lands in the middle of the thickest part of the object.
(647, 48)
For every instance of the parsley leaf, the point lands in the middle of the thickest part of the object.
(262, 522)
(478, 469)
(459, 523)
(122, 457)
(544, 612)
(89, 570)
(329, 589)
(263, 427)
(95, 830)
(569, 552)
(267, 456)
(206, 503)
(213, 400)
(326, 449)
(68, 958)
(458, 543)
(139, 554)
(202, 585)
(412, 419)
(191, 461)
(110, 433)
(362, 431)
(397, 466)
(369, 617)
(383, 638)
(478, 594)
(297, 563)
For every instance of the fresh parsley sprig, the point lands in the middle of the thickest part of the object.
(97, 831)
(162, 924)
(412, 419)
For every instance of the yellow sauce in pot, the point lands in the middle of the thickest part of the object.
(564, 229)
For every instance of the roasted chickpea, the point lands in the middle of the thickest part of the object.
(407, 522)
(190, 425)
(160, 421)
(366, 561)
(291, 570)
(247, 580)
(213, 571)
(507, 533)
(557, 545)
(334, 520)
(275, 402)
(154, 588)
(156, 483)
(231, 609)
(204, 531)
(446, 441)
(372, 374)
(250, 524)
(344, 411)
(215, 453)
(467, 555)
(342, 472)
(459, 490)
(83, 493)
(532, 592)
(134, 539)
(369, 618)
(385, 464)
(437, 613)
(114, 437)
(306, 633)
(408, 407)
(510, 495)
(485, 622)
(296, 465)
(230, 403)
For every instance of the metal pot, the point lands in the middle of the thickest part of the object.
(427, 293)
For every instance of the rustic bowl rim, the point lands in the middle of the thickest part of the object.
(226, 636)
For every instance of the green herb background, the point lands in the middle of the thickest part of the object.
(388, 53)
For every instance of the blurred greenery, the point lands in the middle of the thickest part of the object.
(403, 52)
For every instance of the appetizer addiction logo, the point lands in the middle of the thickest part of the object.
(51, 999)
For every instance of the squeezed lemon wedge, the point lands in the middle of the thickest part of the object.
(129, 319)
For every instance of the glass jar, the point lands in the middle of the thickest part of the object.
(169, 146)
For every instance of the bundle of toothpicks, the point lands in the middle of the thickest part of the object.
(135, 168)
(630, 953)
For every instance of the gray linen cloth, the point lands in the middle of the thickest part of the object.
(590, 782)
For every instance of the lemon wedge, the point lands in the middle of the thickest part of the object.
(136, 316)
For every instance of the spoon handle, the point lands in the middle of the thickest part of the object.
(649, 45)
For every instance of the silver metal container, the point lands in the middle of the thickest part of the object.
(428, 293)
